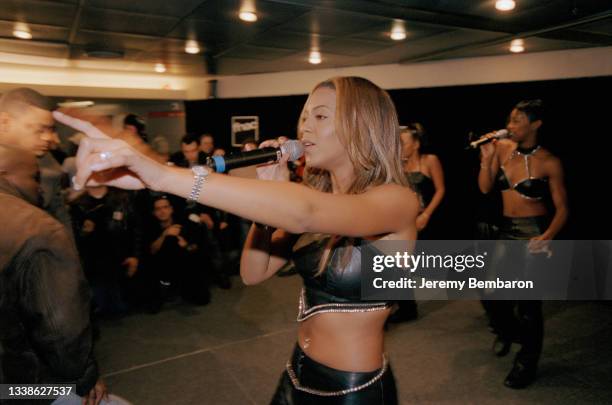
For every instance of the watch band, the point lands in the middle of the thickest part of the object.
(200, 175)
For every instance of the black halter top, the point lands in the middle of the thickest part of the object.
(533, 188)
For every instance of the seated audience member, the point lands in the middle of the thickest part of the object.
(207, 144)
(177, 256)
(108, 230)
(190, 153)
(136, 125)
(219, 152)
(161, 146)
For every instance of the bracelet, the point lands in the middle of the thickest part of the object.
(200, 175)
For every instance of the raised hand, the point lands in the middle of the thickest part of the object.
(276, 171)
(105, 158)
(173, 230)
(488, 149)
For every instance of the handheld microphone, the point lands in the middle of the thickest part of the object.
(221, 164)
(500, 134)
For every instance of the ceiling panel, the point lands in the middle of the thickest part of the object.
(481, 8)
(289, 40)
(169, 57)
(382, 32)
(115, 40)
(348, 32)
(173, 45)
(533, 44)
(119, 21)
(268, 12)
(217, 36)
(528, 14)
(37, 12)
(331, 22)
(421, 49)
(354, 47)
(255, 52)
(176, 8)
(599, 27)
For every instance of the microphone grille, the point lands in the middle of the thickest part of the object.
(502, 133)
(294, 148)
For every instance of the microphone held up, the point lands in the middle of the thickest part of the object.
(500, 134)
(221, 164)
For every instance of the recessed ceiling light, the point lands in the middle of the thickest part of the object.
(22, 31)
(398, 35)
(517, 46)
(192, 47)
(248, 16)
(315, 57)
(505, 5)
(22, 34)
(76, 104)
(398, 30)
(160, 67)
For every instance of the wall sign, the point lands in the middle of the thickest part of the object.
(244, 128)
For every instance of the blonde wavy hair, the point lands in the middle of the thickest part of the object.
(366, 125)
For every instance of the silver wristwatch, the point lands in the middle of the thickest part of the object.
(200, 174)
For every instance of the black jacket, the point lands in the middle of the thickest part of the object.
(45, 328)
(117, 232)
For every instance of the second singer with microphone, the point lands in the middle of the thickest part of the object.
(527, 176)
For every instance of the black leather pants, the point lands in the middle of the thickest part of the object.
(520, 321)
(314, 375)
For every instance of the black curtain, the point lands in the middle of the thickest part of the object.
(573, 129)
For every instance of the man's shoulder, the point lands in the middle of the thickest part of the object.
(26, 228)
(18, 216)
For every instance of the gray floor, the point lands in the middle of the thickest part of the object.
(234, 350)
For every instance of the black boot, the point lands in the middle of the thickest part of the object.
(521, 375)
(406, 312)
(501, 346)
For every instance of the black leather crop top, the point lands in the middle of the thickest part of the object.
(532, 188)
(338, 287)
(423, 185)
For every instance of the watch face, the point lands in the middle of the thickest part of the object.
(199, 170)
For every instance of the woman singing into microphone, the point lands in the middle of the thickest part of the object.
(355, 190)
(527, 175)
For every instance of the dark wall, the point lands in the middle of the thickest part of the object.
(574, 129)
(277, 116)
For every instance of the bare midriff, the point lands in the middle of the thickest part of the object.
(516, 206)
(345, 341)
